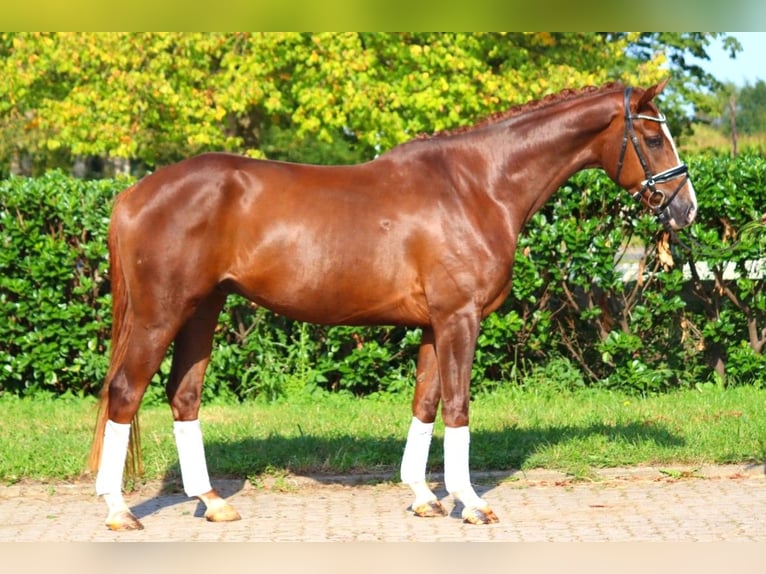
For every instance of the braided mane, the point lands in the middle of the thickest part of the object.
(549, 100)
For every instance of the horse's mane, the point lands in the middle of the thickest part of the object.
(549, 100)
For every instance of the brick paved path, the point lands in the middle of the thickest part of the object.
(710, 504)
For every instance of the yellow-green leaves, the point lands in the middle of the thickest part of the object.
(159, 97)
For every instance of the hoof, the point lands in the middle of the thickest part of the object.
(123, 520)
(430, 509)
(479, 516)
(225, 513)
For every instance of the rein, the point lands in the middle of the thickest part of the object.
(654, 197)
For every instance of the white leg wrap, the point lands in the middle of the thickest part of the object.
(191, 457)
(415, 459)
(457, 479)
(112, 464)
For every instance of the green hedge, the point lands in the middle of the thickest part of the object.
(571, 320)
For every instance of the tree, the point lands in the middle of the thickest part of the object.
(154, 98)
(120, 95)
(751, 108)
(691, 93)
(736, 111)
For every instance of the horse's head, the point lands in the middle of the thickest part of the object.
(647, 162)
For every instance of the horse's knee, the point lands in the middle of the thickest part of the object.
(425, 410)
(455, 413)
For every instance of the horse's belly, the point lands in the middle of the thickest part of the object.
(339, 297)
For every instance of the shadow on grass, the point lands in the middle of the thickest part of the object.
(363, 460)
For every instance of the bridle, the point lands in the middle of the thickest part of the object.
(655, 198)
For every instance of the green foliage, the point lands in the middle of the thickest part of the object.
(54, 294)
(727, 279)
(747, 103)
(571, 315)
(155, 98)
(751, 104)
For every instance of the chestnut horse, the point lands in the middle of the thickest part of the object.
(424, 235)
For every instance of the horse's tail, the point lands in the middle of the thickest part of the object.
(122, 325)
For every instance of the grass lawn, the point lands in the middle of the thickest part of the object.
(48, 440)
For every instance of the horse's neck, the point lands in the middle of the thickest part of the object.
(535, 153)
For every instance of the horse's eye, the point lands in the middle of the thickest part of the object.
(654, 141)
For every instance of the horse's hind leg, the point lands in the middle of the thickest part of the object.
(191, 355)
(144, 351)
(424, 405)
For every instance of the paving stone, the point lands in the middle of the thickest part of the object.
(726, 503)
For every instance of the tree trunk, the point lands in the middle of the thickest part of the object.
(718, 360)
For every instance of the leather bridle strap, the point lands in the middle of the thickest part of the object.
(655, 198)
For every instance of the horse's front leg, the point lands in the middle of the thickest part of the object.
(424, 405)
(191, 355)
(455, 342)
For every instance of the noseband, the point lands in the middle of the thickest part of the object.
(654, 197)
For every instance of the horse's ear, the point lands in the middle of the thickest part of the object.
(652, 92)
